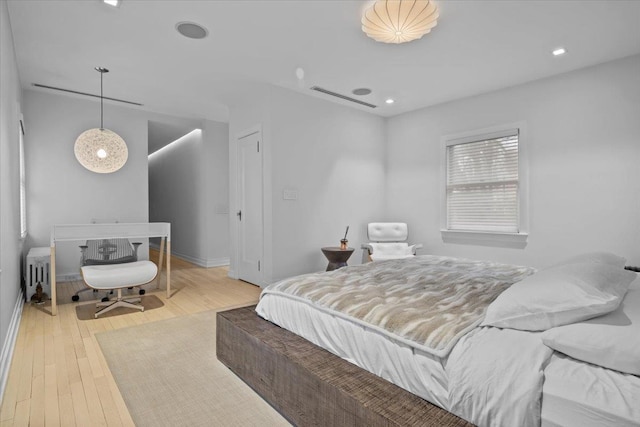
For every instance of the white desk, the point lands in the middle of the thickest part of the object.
(83, 232)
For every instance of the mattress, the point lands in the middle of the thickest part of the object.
(420, 373)
(584, 395)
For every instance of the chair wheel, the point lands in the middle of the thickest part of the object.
(105, 299)
(75, 298)
(141, 291)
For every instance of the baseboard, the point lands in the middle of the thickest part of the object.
(68, 277)
(200, 262)
(218, 262)
(9, 343)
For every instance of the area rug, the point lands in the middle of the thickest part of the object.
(88, 311)
(168, 374)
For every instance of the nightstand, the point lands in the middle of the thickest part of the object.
(337, 257)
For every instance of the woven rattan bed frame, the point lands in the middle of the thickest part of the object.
(309, 385)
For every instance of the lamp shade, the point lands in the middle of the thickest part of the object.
(399, 21)
(101, 150)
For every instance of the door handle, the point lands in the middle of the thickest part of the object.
(239, 214)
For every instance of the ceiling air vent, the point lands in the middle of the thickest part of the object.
(85, 94)
(338, 95)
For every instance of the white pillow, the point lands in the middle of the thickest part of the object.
(612, 341)
(559, 296)
(598, 257)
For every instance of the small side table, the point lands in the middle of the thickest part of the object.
(337, 257)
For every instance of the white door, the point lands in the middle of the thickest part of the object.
(249, 214)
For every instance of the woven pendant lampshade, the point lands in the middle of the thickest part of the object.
(399, 21)
(101, 150)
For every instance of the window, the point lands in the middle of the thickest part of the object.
(483, 183)
(23, 188)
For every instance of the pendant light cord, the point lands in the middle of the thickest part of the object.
(101, 70)
(101, 107)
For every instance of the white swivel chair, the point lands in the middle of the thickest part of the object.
(119, 276)
(105, 252)
(388, 241)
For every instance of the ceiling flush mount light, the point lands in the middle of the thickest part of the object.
(389, 101)
(114, 3)
(101, 150)
(559, 51)
(192, 30)
(399, 21)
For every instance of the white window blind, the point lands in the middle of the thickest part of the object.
(482, 183)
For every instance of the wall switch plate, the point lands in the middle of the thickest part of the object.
(290, 194)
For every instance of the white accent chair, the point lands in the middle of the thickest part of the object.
(388, 241)
(107, 251)
(119, 276)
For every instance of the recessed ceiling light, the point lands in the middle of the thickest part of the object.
(559, 51)
(389, 101)
(192, 30)
(114, 3)
(361, 91)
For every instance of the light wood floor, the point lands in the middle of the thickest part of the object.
(58, 375)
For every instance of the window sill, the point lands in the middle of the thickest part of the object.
(484, 238)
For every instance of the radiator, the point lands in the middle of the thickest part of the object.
(37, 271)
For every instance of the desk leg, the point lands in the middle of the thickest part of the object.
(52, 267)
(168, 269)
(161, 255)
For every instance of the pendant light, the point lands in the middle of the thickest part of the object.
(101, 150)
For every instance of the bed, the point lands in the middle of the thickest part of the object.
(454, 333)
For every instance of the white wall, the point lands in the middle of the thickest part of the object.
(175, 188)
(216, 166)
(10, 241)
(188, 186)
(60, 190)
(583, 143)
(333, 156)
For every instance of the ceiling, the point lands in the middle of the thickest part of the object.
(477, 46)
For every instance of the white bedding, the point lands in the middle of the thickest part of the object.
(583, 395)
(492, 377)
(420, 373)
(477, 362)
(579, 394)
(496, 375)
